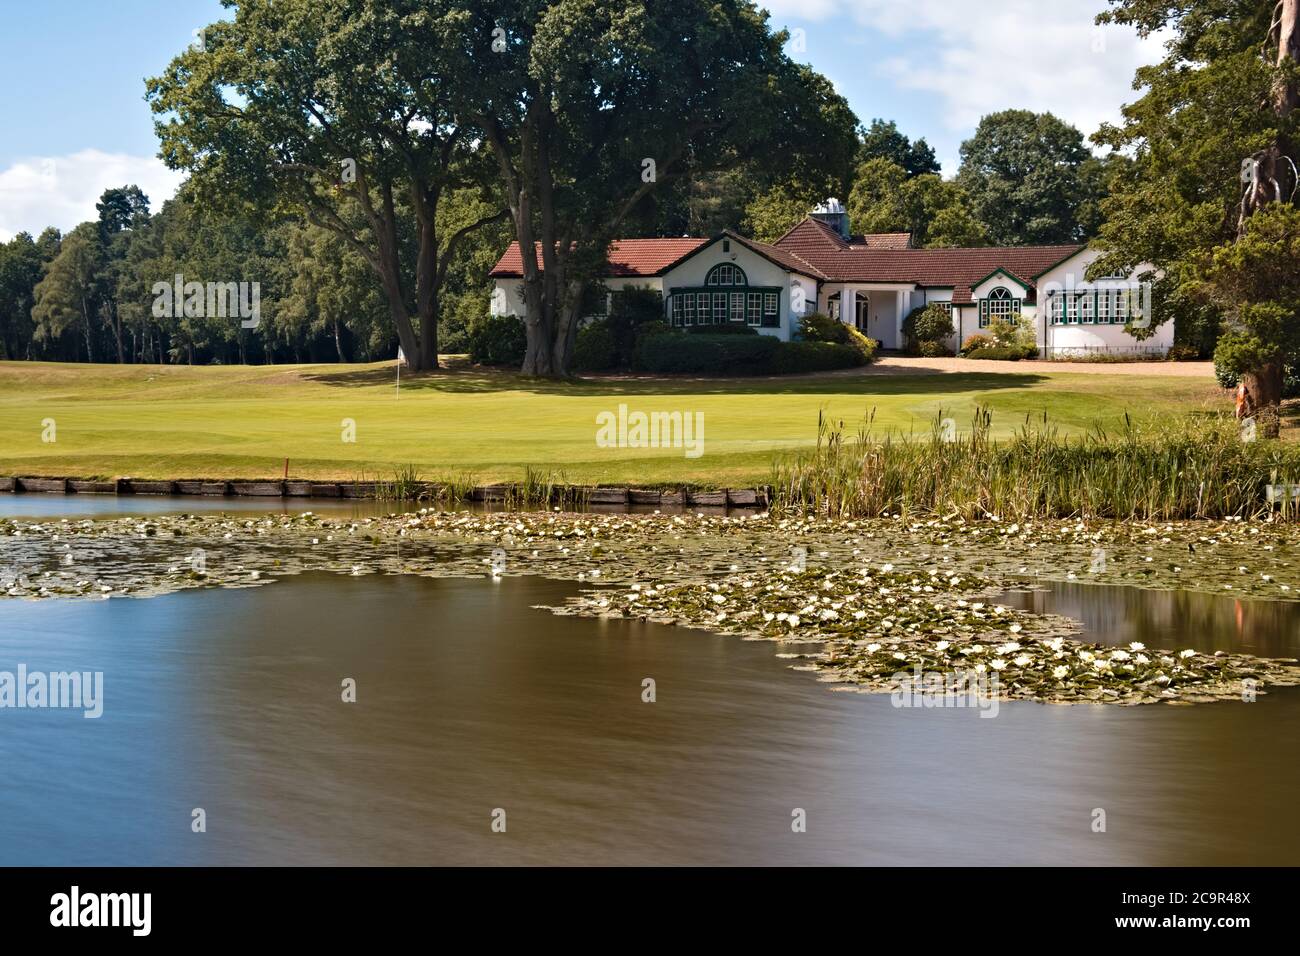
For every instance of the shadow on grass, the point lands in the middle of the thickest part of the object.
(465, 378)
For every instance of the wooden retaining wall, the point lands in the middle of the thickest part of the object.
(756, 498)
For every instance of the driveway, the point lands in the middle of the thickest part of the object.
(909, 365)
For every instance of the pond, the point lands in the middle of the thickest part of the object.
(470, 700)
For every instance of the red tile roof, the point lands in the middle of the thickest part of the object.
(628, 258)
(784, 258)
(957, 269)
(882, 240)
(815, 249)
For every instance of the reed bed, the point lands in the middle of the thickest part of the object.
(1168, 471)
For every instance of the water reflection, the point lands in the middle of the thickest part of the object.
(469, 700)
(1171, 619)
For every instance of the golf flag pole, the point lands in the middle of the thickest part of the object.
(401, 360)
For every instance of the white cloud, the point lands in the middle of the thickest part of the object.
(62, 191)
(978, 58)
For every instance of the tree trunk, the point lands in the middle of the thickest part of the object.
(1265, 387)
(85, 316)
(338, 341)
(1274, 180)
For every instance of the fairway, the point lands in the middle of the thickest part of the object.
(244, 421)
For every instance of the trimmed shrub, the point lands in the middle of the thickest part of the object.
(1183, 353)
(1005, 353)
(706, 354)
(740, 355)
(819, 327)
(497, 340)
(929, 323)
(977, 341)
(794, 357)
(822, 328)
(594, 350)
(933, 350)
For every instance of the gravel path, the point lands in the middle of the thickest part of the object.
(908, 365)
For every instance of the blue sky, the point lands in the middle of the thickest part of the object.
(74, 121)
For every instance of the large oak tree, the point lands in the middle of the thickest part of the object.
(318, 108)
(591, 105)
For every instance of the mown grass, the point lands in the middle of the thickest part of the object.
(179, 422)
(1149, 470)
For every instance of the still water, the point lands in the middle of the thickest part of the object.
(470, 700)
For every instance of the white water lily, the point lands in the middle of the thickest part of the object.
(1086, 655)
(768, 615)
(1119, 655)
(980, 668)
(1187, 653)
(1142, 659)
(997, 663)
(1022, 660)
(886, 568)
(1014, 629)
(719, 599)
(1009, 648)
(793, 620)
(1137, 646)
(899, 656)
(872, 648)
(859, 615)
(942, 646)
(1060, 671)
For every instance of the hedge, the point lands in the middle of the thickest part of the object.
(1005, 353)
(794, 357)
(741, 355)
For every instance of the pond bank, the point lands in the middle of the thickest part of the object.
(684, 496)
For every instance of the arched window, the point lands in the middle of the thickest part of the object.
(726, 274)
(998, 304)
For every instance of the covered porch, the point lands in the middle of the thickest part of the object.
(876, 309)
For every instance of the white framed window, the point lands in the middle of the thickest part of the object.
(1105, 306)
(726, 274)
(688, 315)
(1057, 309)
(719, 308)
(678, 305)
(998, 304)
(1122, 306)
(754, 308)
(737, 307)
(702, 308)
(770, 303)
(1087, 308)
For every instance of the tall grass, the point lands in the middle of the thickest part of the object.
(1151, 471)
(405, 486)
(544, 489)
